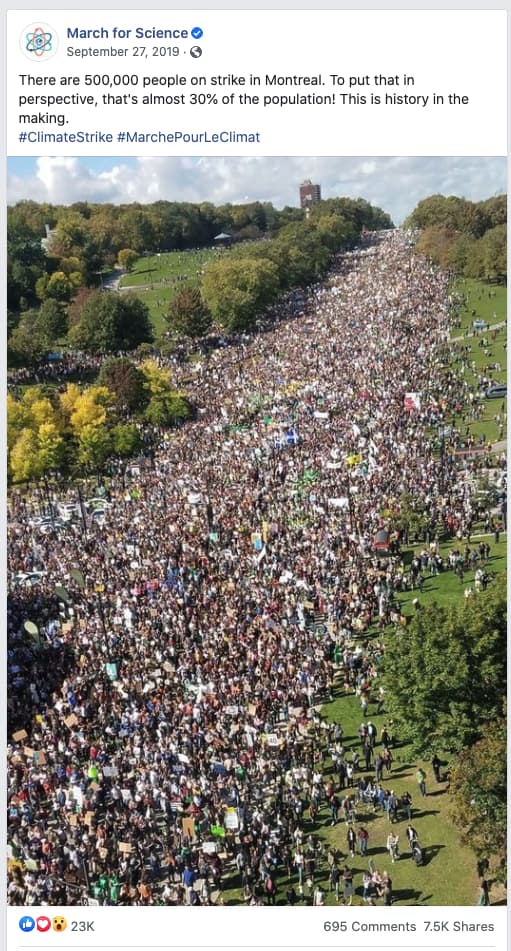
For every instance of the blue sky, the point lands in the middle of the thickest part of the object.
(394, 183)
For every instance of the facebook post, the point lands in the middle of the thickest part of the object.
(256, 486)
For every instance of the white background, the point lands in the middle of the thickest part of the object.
(446, 51)
(142, 929)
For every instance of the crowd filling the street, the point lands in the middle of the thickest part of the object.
(169, 738)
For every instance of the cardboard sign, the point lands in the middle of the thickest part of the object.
(231, 820)
(110, 772)
(71, 721)
(19, 736)
(125, 847)
(209, 848)
(89, 819)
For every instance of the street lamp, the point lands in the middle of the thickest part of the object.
(79, 580)
(441, 435)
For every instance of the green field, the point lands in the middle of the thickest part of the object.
(490, 304)
(488, 300)
(157, 278)
(169, 266)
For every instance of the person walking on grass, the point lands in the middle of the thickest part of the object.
(393, 846)
(335, 878)
(420, 776)
(484, 892)
(347, 877)
(363, 839)
(352, 841)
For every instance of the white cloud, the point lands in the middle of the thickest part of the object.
(396, 184)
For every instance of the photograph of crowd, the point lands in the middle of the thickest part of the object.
(257, 548)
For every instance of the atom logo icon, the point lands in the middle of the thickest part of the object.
(39, 42)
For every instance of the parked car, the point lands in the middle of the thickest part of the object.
(497, 392)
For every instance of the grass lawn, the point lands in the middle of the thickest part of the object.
(446, 587)
(488, 300)
(490, 304)
(169, 267)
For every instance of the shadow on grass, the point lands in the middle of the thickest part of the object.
(425, 812)
(410, 895)
(431, 852)
(147, 270)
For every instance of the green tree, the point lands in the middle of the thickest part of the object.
(236, 290)
(478, 795)
(27, 343)
(109, 322)
(167, 410)
(60, 285)
(94, 446)
(52, 320)
(188, 315)
(126, 258)
(494, 245)
(126, 439)
(166, 405)
(445, 675)
(26, 263)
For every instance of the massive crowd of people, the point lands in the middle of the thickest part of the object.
(166, 725)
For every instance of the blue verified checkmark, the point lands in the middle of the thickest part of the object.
(197, 32)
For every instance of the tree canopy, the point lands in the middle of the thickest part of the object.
(236, 290)
(445, 674)
(478, 794)
(108, 322)
(188, 315)
(468, 237)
